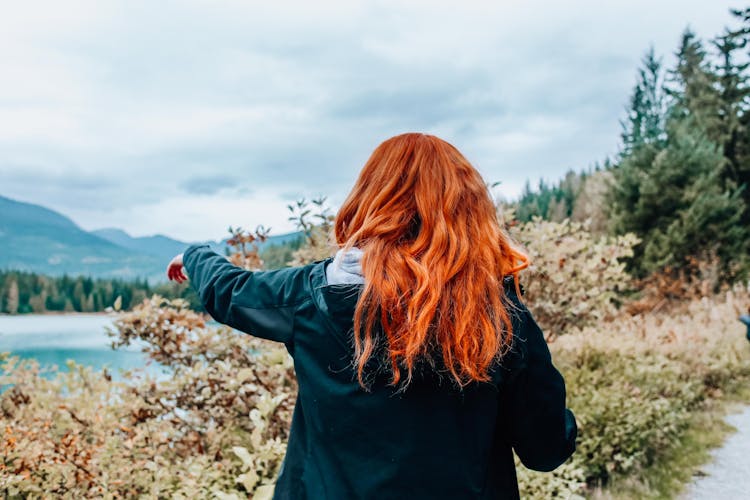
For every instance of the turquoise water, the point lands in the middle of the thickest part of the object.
(54, 339)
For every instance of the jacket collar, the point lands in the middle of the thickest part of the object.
(336, 302)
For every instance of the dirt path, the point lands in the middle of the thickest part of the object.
(728, 474)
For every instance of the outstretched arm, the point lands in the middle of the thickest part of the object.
(260, 303)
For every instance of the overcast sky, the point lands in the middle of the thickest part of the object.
(183, 118)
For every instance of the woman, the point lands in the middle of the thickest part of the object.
(419, 368)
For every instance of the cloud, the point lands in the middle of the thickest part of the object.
(208, 184)
(113, 111)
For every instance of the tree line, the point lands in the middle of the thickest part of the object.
(681, 180)
(26, 292)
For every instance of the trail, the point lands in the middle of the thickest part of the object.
(728, 473)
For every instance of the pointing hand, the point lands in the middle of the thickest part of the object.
(175, 271)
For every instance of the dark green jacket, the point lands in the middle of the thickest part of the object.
(430, 441)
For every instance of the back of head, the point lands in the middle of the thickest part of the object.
(434, 260)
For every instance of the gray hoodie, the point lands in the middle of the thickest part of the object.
(346, 268)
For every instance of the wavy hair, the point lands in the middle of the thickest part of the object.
(434, 260)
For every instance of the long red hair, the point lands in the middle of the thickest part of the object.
(434, 260)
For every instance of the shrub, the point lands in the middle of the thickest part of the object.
(575, 278)
(633, 384)
(315, 221)
(215, 423)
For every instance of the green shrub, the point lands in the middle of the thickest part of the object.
(633, 384)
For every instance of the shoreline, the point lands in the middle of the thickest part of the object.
(58, 313)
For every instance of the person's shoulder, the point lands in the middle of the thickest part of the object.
(302, 279)
(527, 334)
(514, 358)
(299, 275)
(513, 292)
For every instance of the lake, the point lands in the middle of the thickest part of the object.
(53, 339)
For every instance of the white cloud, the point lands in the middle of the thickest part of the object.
(179, 217)
(108, 109)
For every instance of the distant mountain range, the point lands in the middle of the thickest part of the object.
(35, 238)
(158, 245)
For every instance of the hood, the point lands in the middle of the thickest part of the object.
(346, 268)
(336, 285)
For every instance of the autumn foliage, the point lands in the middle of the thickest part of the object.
(209, 417)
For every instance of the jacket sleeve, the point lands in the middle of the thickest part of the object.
(260, 303)
(541, 430)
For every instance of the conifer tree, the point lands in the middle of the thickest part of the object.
(642, 140)
(734, 45)
(12, 298)
(691, 86)
(668, 185)
(645, 122)
(692, 215)
(734, 92)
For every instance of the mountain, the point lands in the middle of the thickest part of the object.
(35, 238)
(165, 247)
(280, 239)
(158, 245)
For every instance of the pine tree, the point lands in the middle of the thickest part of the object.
(691, 86)
(553, 202)
(668, 185)
(692, 215)
(734, 93)
(645, 122)
(11, 298)
(78, 295)
(88, 304)
(735, 106)
(643, 138)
